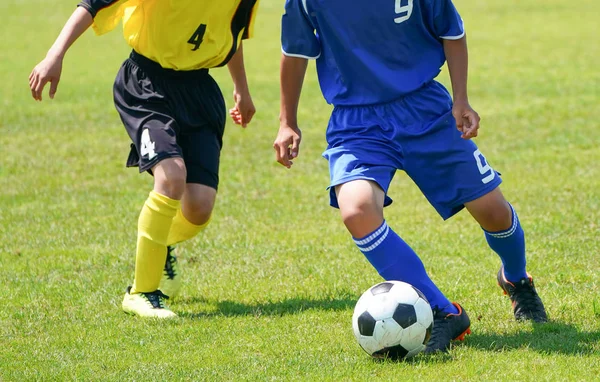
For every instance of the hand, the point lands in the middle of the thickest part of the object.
(287, 144)
(467, 119)
(48, 70)
(244, 109)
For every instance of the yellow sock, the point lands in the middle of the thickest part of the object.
(182, 229)
(154, 225)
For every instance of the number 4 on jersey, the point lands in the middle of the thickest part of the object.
(197, 37)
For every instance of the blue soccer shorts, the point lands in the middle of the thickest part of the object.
(416, 134)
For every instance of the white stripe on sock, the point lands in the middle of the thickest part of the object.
(372, 236)
(376, 244)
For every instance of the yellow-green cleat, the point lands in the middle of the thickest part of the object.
(170, 284)
(150, 304)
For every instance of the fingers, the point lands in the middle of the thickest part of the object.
(53, 87)
(39, 87)
(287, 147)
(282, 153)
(471, 125)
(32, 82)
(459, 125)
(235, 116)
(249, 114)
(242, 118)
(32, 85)
(459, 121)
(35, 88)
(473, 119)
(295, 147)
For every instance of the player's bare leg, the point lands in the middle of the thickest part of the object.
(491, 211)
(169, 178)
(361, 206)
(144, 298)
(196, 209)
(198, 202)
(506, 237)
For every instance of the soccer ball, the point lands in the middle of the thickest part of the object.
(392, 320)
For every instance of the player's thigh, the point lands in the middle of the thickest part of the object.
(147, 118)
(449, 170)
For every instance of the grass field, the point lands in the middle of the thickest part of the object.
(271, 284)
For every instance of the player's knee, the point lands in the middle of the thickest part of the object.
(361, 218)
(173, 185)
(199, 201)
(170, 178)
(491, 211)
(496, 218)
(199, 211)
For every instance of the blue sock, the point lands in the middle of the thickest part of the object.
(395, 260)
(510, 246)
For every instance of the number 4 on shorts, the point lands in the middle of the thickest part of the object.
(147, 146)
(197, 37)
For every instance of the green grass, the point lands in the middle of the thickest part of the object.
(271, 284)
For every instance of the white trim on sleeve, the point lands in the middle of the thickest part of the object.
(305, 8)
(453, 37)
(300, 55)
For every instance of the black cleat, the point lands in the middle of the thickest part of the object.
(448, 327)
(170, 284)
(527, 304)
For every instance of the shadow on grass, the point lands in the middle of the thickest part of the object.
(279, 308)
(421, 358)
(552, 337)
(549, 338)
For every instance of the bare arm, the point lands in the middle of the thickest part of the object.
(291, 77)
(458, 65)
(237, 70)
(467, 120)
(79, 22)
(50, 68)
(287, 143)
(244, 109)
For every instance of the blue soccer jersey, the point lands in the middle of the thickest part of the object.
(370, 52)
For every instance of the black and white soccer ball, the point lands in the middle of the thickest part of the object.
(392, 320)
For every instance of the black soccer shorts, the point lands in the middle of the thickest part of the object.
(170, 113)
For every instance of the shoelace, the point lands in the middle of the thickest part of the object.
(156, 299)
(527, 297)
(171, 260)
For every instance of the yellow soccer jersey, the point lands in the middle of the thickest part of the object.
(178, 34)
